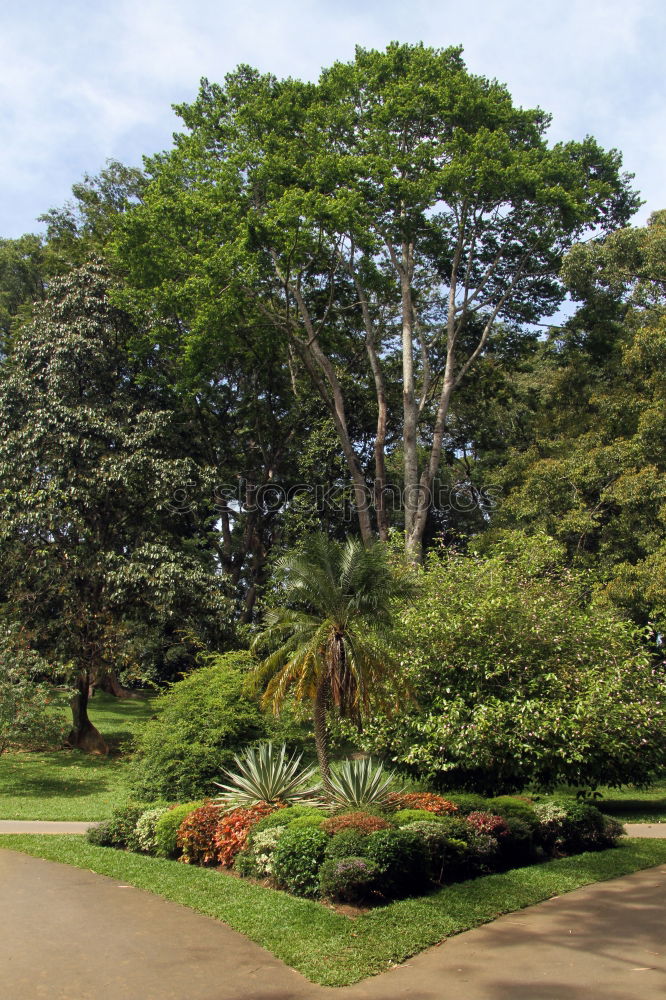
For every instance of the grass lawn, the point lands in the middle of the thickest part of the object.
(323, 945)
(632, 805)
(69, 784)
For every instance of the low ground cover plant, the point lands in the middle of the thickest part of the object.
(364, 855)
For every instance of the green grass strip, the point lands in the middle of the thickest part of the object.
(324, 946)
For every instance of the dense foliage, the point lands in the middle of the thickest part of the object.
(201, 721)
(517, 677)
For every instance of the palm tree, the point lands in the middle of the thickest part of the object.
(329, 638)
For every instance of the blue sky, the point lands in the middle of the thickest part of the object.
(81, 82)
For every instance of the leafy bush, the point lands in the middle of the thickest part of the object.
(517, 846)
(348, 843)
(311, 821)
(427, 801)
(120, 830)
(349, 879)
(257, 858)
(362, 821)
(519, 679)
(266, 774)
(201, 722)
(283, 817)
(145, 829)
(27, 717)
(297, 859)
(467, 802)
(446, 855)
(488, 824)
(511, 806)
(404, 816)
(166, 829)
(196, 835)
(233, 830)
(569, 825)
(359, 783)
(402, 860)
(101, 835)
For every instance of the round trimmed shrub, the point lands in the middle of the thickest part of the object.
(404, 816)
(513, 807)
(166, 829)
(489, 824)
(201, 722)
(145, 828)
(101, 835)
(349, 879)
(283, 816)
(256, 861)
(234, 828)
(120, 830)
(363, 821)
(467, 802)
(570, 825)
(297, 859)
(346, 844)
(402, 860)
(446, 855)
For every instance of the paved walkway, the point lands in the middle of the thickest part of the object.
(68, 934)
(41, 826)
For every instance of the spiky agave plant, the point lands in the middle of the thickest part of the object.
(361, 783)
(265, 774)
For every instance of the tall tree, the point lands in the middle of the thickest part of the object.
(592, 471)
(400, 209)
(93, 549)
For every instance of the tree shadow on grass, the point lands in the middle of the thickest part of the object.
(65, 773)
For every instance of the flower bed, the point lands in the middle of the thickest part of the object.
(414, 845)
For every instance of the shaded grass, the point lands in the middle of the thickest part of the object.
(630, 804)
(323, 945)
(69, 784)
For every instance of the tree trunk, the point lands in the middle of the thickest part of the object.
(320, 733)
(109, 682)
(84, 736)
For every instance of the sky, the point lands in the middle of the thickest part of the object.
(83, 81)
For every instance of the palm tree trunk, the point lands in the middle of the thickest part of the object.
(320, 733)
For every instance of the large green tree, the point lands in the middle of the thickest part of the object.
(95, 549)
(395, 214)
(591, 470)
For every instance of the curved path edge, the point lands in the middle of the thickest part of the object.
(66, 932)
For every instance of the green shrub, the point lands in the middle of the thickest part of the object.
(402, 860)
(512, 807)
(145, 828)
(404, 816)
(311, 821)
(570, 825)
(446, 855)
(101, 835)
(529, 690)
(166, 829)
(256, 861)
(349, 879)
(346, 844)
(120, 830)
(297, 859)
(283, 817)
(467, 802)
(202, 722)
